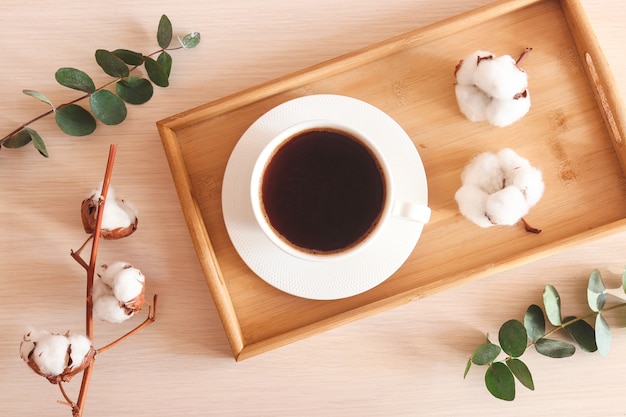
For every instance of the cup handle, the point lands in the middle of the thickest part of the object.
(411, 211)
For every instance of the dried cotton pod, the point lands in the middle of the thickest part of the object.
(492, 88)
(118, 292)
(498, 189)
(56, 357)
(118, 220)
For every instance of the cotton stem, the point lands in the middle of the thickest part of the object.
(77, 409)
(529, 228)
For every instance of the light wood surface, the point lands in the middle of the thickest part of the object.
(404, 362)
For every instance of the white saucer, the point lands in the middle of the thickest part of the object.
(325, 280)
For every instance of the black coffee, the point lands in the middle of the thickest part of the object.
(323, 191)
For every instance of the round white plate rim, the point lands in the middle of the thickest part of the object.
(335, 279)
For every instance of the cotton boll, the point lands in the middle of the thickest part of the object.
(129, 284)
(484, 172)
(79, 347)
(108, 308)
(530, 181)
(499, 189)
(111, 271)
(50, 354)
(464, 72)
(472, 102)
(500, 77)
(119, 293)
(507, 206)
(504, 112)
(119, 218)
(472, 201)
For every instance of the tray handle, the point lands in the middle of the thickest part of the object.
(602, 81)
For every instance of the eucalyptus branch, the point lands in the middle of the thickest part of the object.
(515, 337)
(106, 106)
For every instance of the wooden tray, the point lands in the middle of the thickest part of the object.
(573, 133)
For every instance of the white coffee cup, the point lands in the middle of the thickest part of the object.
(389, 206)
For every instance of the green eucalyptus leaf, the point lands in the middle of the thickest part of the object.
(603, 336)
(164, 32)
(521, 372)
(552, 304)
(467, 367)
(156, 72)
(134, 90)
(129, 57)
(596, 291)
(18, 139)
(39, 96)
(485, 353)
(535, 322)
(624, 279)
(554, 348)
(75, 79)
(190, 40)
(513, 338)
(75, 120)
(165, 60)
(112, 64)
(38, 142)
(107, 107)
(582, 333)
(500, 382)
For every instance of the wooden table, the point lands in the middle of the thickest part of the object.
(407, 361)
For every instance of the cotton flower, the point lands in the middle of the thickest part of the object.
(57, 357)
(498, 188)
(118, 292)
(118, 220)
(492, 88)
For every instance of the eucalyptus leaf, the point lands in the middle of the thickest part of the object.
(75, 79)
(485, 353)
(134, 90)
(552, 304)
(129, 57)
(17, 140)
(535, 322)
(107, 107)
(165, 60)
(500, 381)
(554, 348)
(39, 96)
(603, 336)
(467, 367)
(37, 142)
(156, 72)
(596, 291)
(521, 372)
(164, 32)
(112, 64)
(75, 120)
(190, 40)
(624, 280)
(513, 338)
(582, 333)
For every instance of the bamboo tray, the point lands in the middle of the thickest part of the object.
(573, 133)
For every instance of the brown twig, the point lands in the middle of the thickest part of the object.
(523, 55)
(77, 409)
(529, 228)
